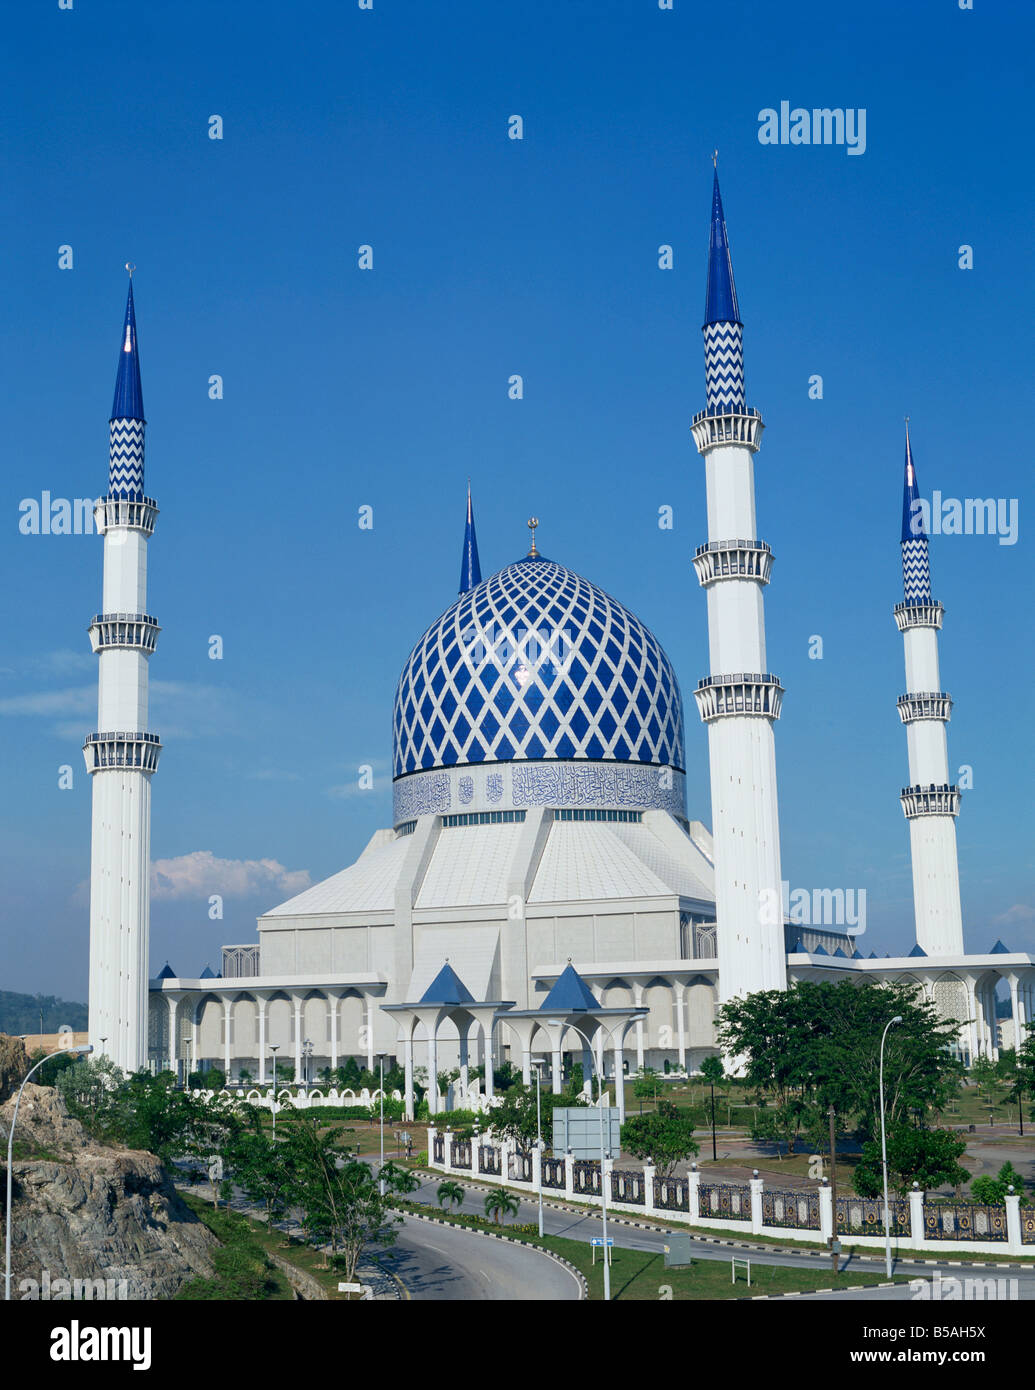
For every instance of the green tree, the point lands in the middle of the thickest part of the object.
(645, 1085)
(820, 1043)
(712, 1070)
(665, 1135)
(260, 1168)
(515, 1116)
(500, 1203)
(929, 1157)
(994, 1191)
(986, 1077)
(450, 1192)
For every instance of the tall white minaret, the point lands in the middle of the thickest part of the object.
(930, 804)
(740, 700)
(122, 756)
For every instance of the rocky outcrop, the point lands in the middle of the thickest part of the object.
(14, 1063)
(86, 1211)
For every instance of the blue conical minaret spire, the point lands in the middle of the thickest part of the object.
(126, 429)
(470, 568)
(721, 299)
(723, 331)
(916, 572)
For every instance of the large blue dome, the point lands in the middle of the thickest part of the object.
(536, 664)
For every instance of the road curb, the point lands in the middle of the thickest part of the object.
(511, 1240)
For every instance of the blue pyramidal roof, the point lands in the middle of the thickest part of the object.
(208, 974)
(447, 988)
(470, 568)
(570, 994)
(999, 949)
(129, 397)
(720, 304)
(912, 515)
(918, 950)
(166, 972)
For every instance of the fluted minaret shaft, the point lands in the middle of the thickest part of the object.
(122, 755)
(930, 803)
(740, 699)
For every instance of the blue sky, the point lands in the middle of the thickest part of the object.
(388, 387)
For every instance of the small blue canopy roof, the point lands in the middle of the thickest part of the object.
(570, 994)
(447, 988)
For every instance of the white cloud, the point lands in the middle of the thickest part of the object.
(199, 874)
(1021, 914)
(81, 699)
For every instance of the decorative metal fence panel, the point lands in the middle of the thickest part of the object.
(671, 1194)
(793, 1209)
(964, 1221)
(521, 1166)
(461, 1151)
(489, 1160)
(439, 1149)
(553, 1172)
(627, 1186)
(729, 1203)
(1028, 1225)
(865, 1216)
(587, 1176)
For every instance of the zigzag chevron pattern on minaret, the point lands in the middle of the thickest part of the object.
(916, 571)
(126, 459)
(724, 366)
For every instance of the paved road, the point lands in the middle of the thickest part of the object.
(581, 1226)
(442, 1263)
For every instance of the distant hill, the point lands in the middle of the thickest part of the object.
(20, 1013)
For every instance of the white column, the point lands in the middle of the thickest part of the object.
(638, 1001)
(693, 1185)
(826, 1212)
(555, 1069)
(334, 1002)
(369, 1001)
(433, 1067)
(680, 994)
(756, 1206)
(464, 1070)
(261, 1005)
(916, 1218)
(972, 1026)
(296, 1000)
(1015, 1010)
(526, 1065)
(1014, 1235)
(408, 1070)
(487, 1056)
(174, 1042)
(227, 1009)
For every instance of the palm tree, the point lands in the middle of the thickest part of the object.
(500, 1203)
(450, 1192)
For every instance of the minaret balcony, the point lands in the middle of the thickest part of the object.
(743, 693)
(711, 428)
(738, 559)
(924, 704)
(138, 514)
(930, 801)
(125, 750)
(918, 613)
(135, 631)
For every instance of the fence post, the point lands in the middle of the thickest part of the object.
(476, 1154)
(693, 1188)
(916, 1218)
(432, 1132)
(1013, 1223)
(569, 1174)
(756, 1206)
(826, 1212)
(447, 1150)
(648, 1189)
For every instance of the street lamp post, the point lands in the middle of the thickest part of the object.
(884, 1149)
(83, 1048)
(834, 1245)
(538, 1063)
(380, 1179)
(274, 1047)
(603, 1185)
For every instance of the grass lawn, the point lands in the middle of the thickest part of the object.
(641, 1274)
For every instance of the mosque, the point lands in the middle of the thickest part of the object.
(545, 886)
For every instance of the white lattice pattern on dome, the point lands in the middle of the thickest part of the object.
(536, 663)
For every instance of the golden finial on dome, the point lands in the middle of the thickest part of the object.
(533, 522)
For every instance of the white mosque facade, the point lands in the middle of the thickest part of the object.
(541, 820)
